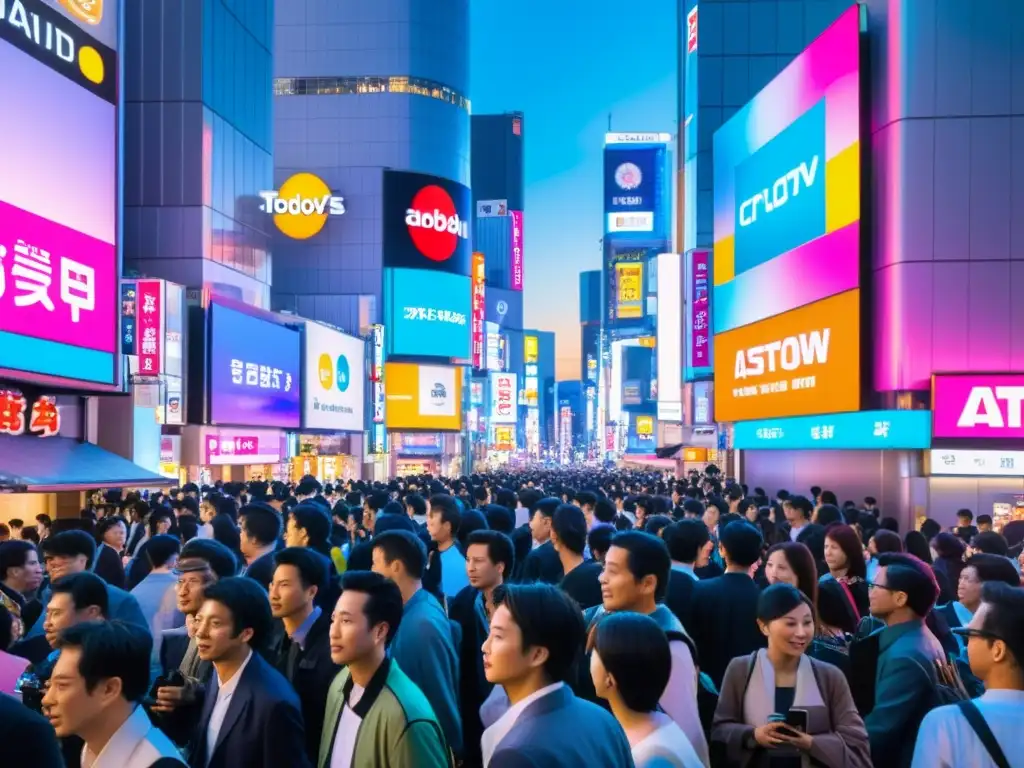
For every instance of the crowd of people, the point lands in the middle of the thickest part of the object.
(561, 618)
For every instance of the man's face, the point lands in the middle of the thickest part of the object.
(540, 526)
(60, 566)
(248, 545)
(61, 614)
(287, 595)
(207, 511)
(620, 591)
(436, 527)
(163, 525)
(983, 652)
(294, 534)
(70, 707)
(351, 636)
(882, 600)
(369, 516)
(381, 565)
(215, 633)
(192, 590)
(505, 658)
(968, 590)
(30, 575)
(711, 516)
(482, 573)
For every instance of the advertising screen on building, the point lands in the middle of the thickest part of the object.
(968, 463)
(504, 396)
(334, 380)
(426, 223)
(429, 313)
(978, 406)
(634, 179)
(423, 397)
(787, 209)
(864, 430)
(59, 276)
(254, 371)
(479, 300)
(670, 333)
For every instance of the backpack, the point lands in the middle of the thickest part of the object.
(977, 722)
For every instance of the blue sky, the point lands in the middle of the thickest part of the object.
(566, 65)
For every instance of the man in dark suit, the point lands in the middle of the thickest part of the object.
(799, 511)
(28, 739)
(723, 610)
(689, 545)
(555, 728)
(251, 715)
(259, 531)
(304, 654)
(542, 563)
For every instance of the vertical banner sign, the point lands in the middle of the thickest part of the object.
(517, 250)
(128, 324)
(150, 330)
(378, 440)
(479, 306)
(700, 311)
(629, 304)
(691, 31)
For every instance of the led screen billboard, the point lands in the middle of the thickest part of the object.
(59, 265)
(978, 406)
(423, 397)
(864, 430)
(254, 371)
(635, 189)
(787, 212)
(429, 313)
(426, 223)
(334, 380)
(670, 333)
(504, 398)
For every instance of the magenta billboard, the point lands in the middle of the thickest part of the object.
(978, 406)
(517, 250)
(700, 311)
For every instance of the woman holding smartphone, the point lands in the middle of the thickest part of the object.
(778, 707)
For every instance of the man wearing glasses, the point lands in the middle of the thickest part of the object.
(904, 590)
(179, 690)
(962, 734)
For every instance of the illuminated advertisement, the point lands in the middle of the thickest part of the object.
(670, 333)
(254, 370)
(423, 397)
(430, 444)
(787, 211)
(129, 328)
(690, 98)
(864, 430)
(699, 320)
(950, 461)
(59, 290)
(504, 438)
(429, 313)
(503, 398)
(516, 251)
(302, 205)
(634, 180)
(334, 379)
(803, 362)
(495, 348)
(150, 326)
(490, 209)
(977, 405)
(174, 353)
(629, 290)
(641, 436)
(479, 278)
(426, 223)
(531, 349)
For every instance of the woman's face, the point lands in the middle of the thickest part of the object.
(778, 571)
(835, 558)
(602, 680)
(792, 633)
(968, 590)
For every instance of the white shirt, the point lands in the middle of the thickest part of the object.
(492, 736)
(680, 699)
(946, 739)
(136, 744)
(794, 532)
(348, 728)
(225, 692)
(665, 747)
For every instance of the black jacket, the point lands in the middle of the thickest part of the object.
(28, 739)
(722, 621)
(679, 595)
(473, 686)
(542, 564)
(108, 566)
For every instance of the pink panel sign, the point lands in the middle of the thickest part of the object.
(217, 446)
(517, 250)
(55, 283)
(700, 317)
(978, 406)
(149, 314)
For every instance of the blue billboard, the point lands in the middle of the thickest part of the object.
(428, 313)
(864, 430)
(635, 189)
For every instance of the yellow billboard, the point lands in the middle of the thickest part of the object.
(422, 397)
(531, 349)
(629, 294)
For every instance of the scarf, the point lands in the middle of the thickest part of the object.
(759, 698)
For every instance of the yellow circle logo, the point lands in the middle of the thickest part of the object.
(325, 371)
(301, 206)
(91, 64)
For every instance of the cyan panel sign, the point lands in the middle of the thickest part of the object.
(866, 430)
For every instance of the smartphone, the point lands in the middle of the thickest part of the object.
(796, 720)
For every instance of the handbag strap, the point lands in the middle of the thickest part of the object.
(988, 739)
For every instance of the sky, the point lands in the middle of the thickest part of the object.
(567, 65)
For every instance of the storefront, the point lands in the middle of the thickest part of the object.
(418, 454)
(234, 454)
(331, 458)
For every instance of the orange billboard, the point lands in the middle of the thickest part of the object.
(802, 362)
(422, 397)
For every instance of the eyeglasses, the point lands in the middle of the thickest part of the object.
(979, 633)
(886, 587)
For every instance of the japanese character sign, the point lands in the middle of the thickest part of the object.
(12, 412)
(43, 417)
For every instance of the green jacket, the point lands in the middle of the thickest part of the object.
(398, 728)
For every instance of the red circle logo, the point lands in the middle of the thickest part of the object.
(434, 224)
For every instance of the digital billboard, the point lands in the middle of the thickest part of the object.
(426, 223)
(634, 181)
(969, 463)
(423, 397)
(698, 316)
(670, 333)
(504, 397)
(429, 313)
(864, 430)
(787, 212)
(479, 303)
(59, 266)
(516, 251)
(254, 371)
(334, 376)
(978, 406)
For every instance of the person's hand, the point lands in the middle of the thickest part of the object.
(768, 735)
(798, 739)
(169, 698)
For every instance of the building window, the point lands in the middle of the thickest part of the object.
(341, 86)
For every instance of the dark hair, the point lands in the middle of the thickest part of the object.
(417, 502)
(499, 548)
(635, 651)
(685, 539)
(472, 520)
(570, 526)
(315, 521)
(801, 562)
(499, 518)
(162, 548)
(778, 600)
(834, 607)
(604, 511)
(647, 555)
(85, 589)
(889, 524)
(828, 498)
(107, 523)
(447, 507)
(655, 524)
(802, 504)
(547, 618)
(383, 599)
(693, 507)
(586, 498)
(158, 514)
(887, 541)
(600, 539)
(112, 649)
(261, 523)
(547, 506)
(249, 607)
(930, 529)
(984, 520)
(404, 547)
(964, 514)
(377, 500)
(829, 514)
(310, 564)
(994, 568)
(848, 540)
(1005, 617)
(907, 574)
(990, 543)
(915, 543)
(13, 554)
(742, 543)
(71, 544)
(220, 559)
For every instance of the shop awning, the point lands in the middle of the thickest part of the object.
(50, 464)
